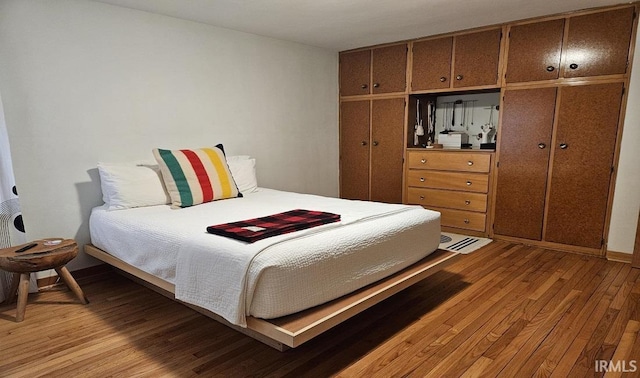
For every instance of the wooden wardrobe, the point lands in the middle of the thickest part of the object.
(554, 170)
(562, 101)
(562, 84)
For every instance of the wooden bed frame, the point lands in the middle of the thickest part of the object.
(292, 330)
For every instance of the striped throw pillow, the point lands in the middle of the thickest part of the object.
(197, 176)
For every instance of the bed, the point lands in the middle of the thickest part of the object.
(283, 290)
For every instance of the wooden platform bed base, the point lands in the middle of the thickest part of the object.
(292, 330)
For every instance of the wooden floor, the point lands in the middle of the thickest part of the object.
(505, 310)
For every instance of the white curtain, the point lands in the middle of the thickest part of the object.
(11, 225)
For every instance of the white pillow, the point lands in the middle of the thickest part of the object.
(131, 185)
(243, 170)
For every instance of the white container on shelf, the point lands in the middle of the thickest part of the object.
(454, 139)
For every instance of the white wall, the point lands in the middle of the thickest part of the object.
(84, 82)
(626, 199)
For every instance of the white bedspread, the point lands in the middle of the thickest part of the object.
(212, 271)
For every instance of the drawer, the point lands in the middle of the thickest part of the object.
(468, 182)
(462, 219)
(450, 199)
(450, 161)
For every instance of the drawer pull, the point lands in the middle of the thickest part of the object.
(470, 163)
(421, 197)
(468, 183)
(466, 221)
(423, 161)
(467, 202)
(364, 86)
(421, 179)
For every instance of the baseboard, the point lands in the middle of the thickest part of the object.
(77, 274)
(619, 257)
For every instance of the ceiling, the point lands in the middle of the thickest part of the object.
(345, 24)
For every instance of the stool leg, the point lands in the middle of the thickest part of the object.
(23, 294)
(71, 283)
(15, 280)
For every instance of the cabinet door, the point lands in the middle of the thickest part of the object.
(390, 69)
(354, 150)
(534, 51)
(525, 142)
(582, 163)
(598, 43)
(431, 64)
(476, 57)
(387, 129)
(355, 73)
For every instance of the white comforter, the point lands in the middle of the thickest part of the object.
(215, 276)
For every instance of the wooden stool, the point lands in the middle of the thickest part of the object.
(45, 255)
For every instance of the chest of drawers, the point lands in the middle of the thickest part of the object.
(455, 183)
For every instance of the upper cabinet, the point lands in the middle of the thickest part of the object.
(355, 73)
(476, 58)
(431, 64)
(534, 51)
(579, 45)
(374, 71)
(598, 43)
(461, 61)
(389, 69)
(595, 44)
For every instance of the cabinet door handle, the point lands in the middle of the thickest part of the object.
(364, 86)
(364, 143)
(375, 143)
(573, 66)
(466, 221)
(470, 163)
(541, 146)
(467, 202)
(423, 161)
(563, 146)
(421, 179)
(376, 85)
(550, 68)
(443, 79)
(459, 77)
(468, 183)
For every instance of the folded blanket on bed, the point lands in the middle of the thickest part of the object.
(255, 229)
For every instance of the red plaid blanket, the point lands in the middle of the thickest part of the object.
(252, 230)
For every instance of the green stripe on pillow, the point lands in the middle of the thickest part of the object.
(196, 176)
(177, 175)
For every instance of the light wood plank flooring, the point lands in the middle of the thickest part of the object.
(505, 310)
